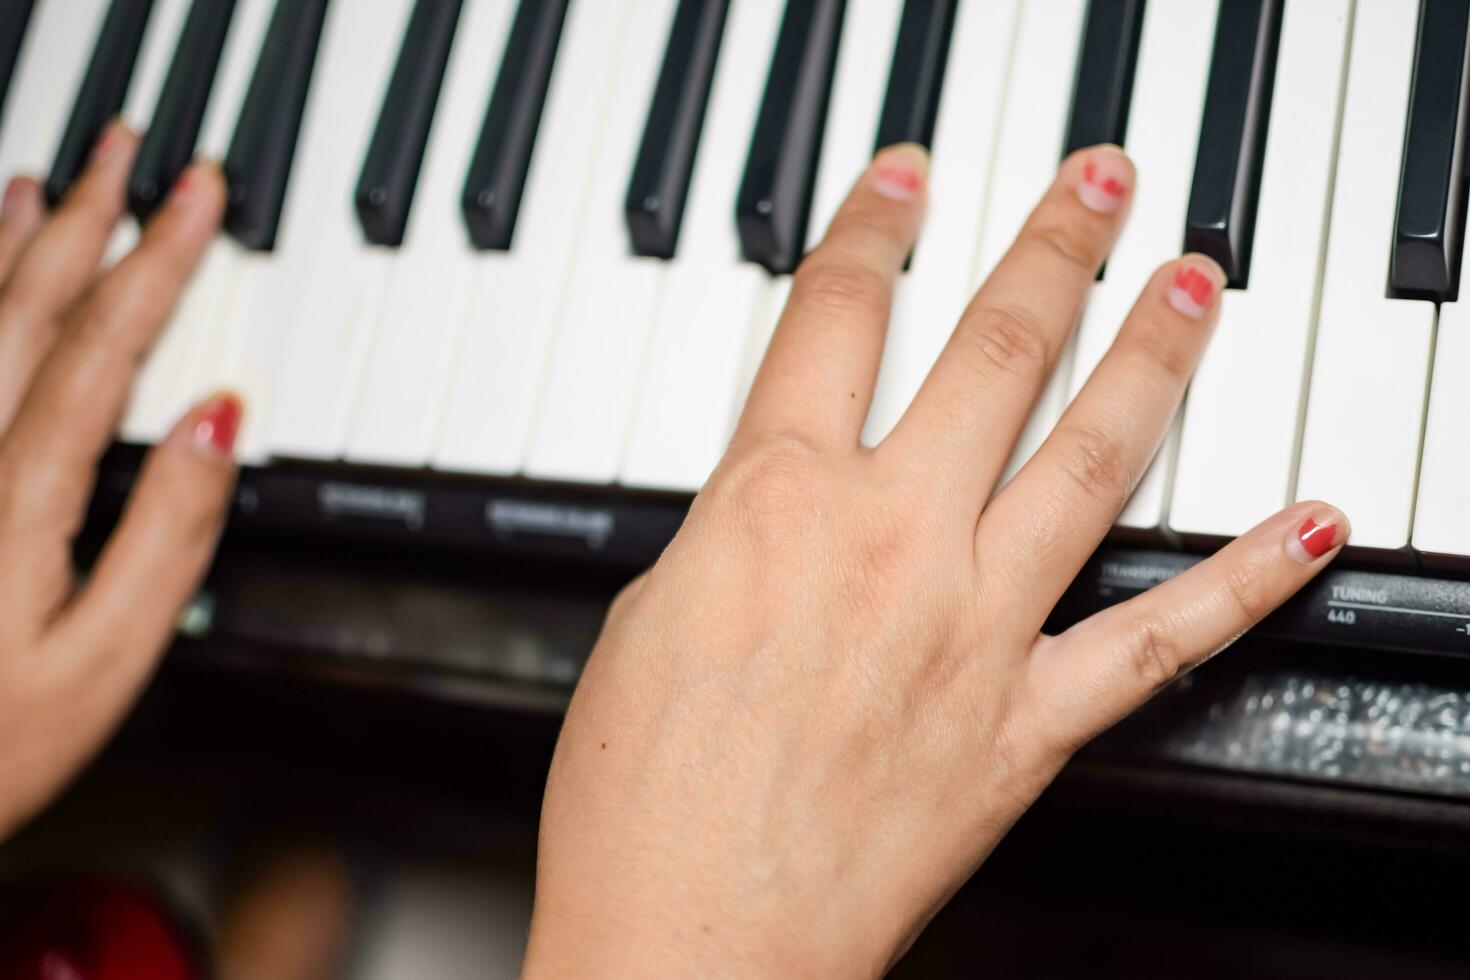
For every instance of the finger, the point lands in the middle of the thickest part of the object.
(1098, 671)
(22, 213)
(972, 407)
(99, 653)
(818, 374)
(69, 415)
(155, 559)
(58, 265)
(1046, 522)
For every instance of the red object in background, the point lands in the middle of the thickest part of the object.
(91, 930)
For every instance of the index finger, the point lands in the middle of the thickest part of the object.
(818, 374)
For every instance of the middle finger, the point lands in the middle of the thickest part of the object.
(970, 410)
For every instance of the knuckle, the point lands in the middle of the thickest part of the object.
(1064, 242)
(830, 285)
(1161, 353)
(1094, 462)
(1245, 586)
(1006, 341)
(124, 311)
(36, 494)
(1153, 653)
(855, 223)
(95, 200)
(777, 477)
(194, 510)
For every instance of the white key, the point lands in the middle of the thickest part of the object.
(350, 282)
(1028, 148)
(53, 59)
(688, 396)
(1163, 133)
(271, 289)
(1442, 514)
(517, 299)
(859, 83)
(768, 313)
(1442, 518)
(155, 55)
(1365, 408)
(1237, 449)
(696, 374)
(585, 412)
(933, 294)
(163, 392)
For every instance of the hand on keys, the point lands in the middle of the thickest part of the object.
(73, 656)
(816, 715)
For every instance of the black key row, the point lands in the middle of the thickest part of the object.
(391, 171)
(103, 89)
(168, 145)
(1429, 229)
(773, 203)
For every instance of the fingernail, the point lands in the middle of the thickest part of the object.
(109, 143)
(1193, 289)
(187, 183)
(1317, 535)
(218, 424)
(1106, 177)
(898, 172)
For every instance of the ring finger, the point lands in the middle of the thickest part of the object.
(1061, 504)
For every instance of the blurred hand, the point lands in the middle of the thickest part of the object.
(810, 722)
(72, 658)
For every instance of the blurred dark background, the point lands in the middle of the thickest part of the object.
(1181, 845)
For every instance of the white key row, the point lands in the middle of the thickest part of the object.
(569, 359)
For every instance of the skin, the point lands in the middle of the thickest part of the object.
(73, 657)
(821, 709)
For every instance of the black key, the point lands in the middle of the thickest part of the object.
(103, 90)
(1429, 230)
(12, 32)
(660, 185)
(1103, 87)
(775, 199)
(391, 171)
(168, 146)
(917, 76)
(1232, 140)
(258, 164)
(497, 178)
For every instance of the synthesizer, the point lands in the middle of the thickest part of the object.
(495, 275)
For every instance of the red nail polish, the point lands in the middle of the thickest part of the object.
(1316, 539)
(1191, 292)
(1108, 185)
(217, 427)
(1195, 284)
(188, 180)
(898, 182)
(1099, 191)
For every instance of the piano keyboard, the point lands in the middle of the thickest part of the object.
(545, 242)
